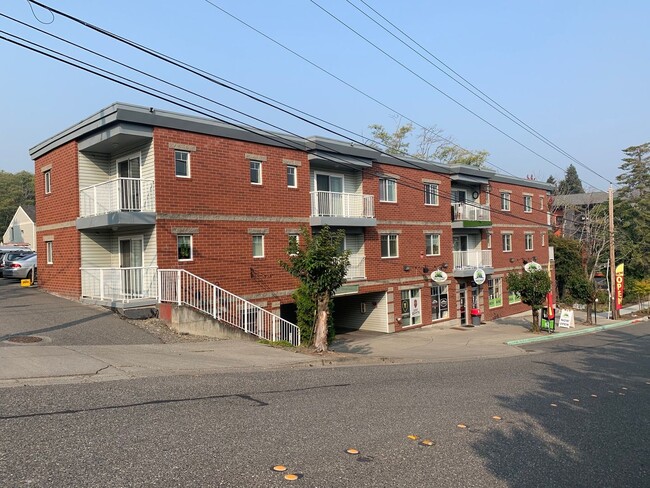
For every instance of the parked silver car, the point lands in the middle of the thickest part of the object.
(10, 254)
(20, 267)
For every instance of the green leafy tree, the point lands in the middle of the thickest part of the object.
(431, 145)
(634, 180)
(532, 287)
(568, 262)
(571, 184)
(320, 263)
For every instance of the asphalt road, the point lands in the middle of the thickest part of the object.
(230, 429)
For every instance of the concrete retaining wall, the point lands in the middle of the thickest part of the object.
(185, 320)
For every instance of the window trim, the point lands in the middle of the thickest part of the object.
(528, 204)
(49, 252)
(389, 237)
(259, 172)
(530, 235)
(178, 247)
(291, 167)
(505, 201)
(504, 238)
(259, 256)
(435, 194)
(187, 163)
(427, 239)
(386, 180)
(47, 175)
(499, 298)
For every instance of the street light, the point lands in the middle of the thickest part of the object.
(596, 311)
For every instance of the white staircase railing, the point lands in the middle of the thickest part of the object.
(184, 288)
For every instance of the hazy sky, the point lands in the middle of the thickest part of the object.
(575, 71)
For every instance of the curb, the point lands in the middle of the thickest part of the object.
(590, 330)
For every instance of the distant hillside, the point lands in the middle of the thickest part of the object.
(15, 189)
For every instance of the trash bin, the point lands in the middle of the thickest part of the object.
(476, 316)
(547, 320)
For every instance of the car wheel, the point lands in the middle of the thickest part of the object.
(30, 276)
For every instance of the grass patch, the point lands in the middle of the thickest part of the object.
(276, 343)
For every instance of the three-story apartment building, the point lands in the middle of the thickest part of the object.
(131, 191)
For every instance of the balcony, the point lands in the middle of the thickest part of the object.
(342, 209)
(117, 203)
(466, 262)
(120, 286)
(472, 215)
(357, 269)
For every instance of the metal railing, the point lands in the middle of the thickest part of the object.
(118, 195)
(334, 204)
(357, 268)
(119, 284)
(184, 288)
(472, 259)
(470, 211)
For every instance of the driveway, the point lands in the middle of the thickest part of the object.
(61, 322)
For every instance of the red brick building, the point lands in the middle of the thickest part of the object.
(132, 190)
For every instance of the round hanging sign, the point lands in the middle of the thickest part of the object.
(439, 276)
(479, 276)
(532, 266)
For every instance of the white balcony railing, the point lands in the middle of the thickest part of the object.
(119, 284)
(357, 268)
(472, 259)
(334, 204)
(118, 195)
(470, 211)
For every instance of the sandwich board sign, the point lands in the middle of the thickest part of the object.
(566, 319)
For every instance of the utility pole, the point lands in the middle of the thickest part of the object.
(612, 257)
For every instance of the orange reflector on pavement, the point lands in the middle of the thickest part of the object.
(427, 442)
(496, 417)
(279, 468)
(291, 477)
(352, 451)
(461, 426)
(413, 437)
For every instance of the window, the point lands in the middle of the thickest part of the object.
(505, 201)
(439, 302)
(432, 244)
(506, 240)
(411, 309)
(541, 203)
(494, 293)
(430, 194)
(489, 240)
(294, 239)
(387, 190)
(542, 236)
(258, 245)
(256, 172)
(182, 159)
(49, 252)
(513, 297)
(529, 241)
(528, 203)
(292, 177)
(184, 246)
(47, 175)
(389, 246)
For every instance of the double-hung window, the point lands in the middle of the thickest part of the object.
(49, 252)
(184, 246)
(432, 244)
(292, 176)
(47, 177)
(182, 161)
(506, 240)
(256, 172)
(389, 248)
(529, 241)
(505, 201)
(387, 190)
(258, 245)
(430, 194)
(528, 203)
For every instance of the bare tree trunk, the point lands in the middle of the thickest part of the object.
(322, 312)
(535, 327)
(589, 312)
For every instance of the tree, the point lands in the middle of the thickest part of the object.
(552, 181)
(15, 190)
(431, 145)
(320, 263)
(632, 212)
(571, 183)
(532, 287)
(568, 262)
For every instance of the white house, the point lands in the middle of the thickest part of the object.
(22, 228)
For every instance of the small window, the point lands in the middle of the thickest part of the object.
(184, 245)
(506, 240)
(49, 252)
(292, 177)
(494, 293)
(505, 201)
(432, 244)
(542, 236)
(294, 239)
(256, 172)
(258, 245)
(389, 246)
(528, 203)
(182, 161)
(47, 175)
(541, 203)
(430, 194)
(489, 240)
(387, 190)
(513, 297)
(529, 242)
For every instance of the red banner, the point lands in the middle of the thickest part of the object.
(620, 271)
